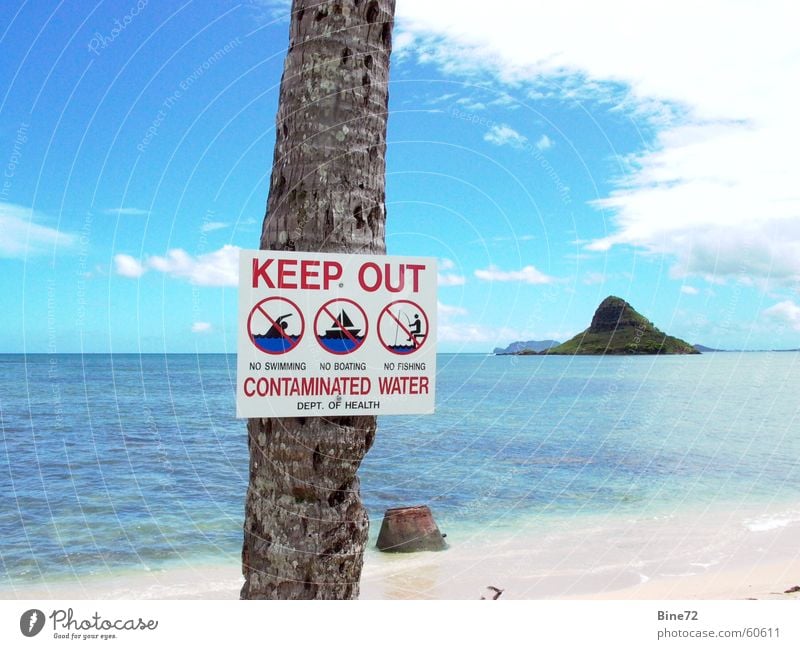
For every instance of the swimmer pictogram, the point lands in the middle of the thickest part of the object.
(276, 325)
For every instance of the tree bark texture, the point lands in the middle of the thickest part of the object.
(305, 526)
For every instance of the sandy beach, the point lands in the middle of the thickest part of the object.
(702, 556)
(431, 577)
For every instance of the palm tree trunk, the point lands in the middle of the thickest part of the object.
(305, 527)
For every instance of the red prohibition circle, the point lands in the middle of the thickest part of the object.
(324, 309)
(258, 307)
(386, 312)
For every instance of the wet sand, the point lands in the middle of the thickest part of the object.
(705, 555)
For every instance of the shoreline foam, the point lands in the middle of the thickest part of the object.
(705, 555)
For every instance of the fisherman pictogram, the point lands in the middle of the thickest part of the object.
(415, 328)
(402, 327)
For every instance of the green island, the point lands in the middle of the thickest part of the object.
(617, 329)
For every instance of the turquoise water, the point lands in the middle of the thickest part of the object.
(110, 463)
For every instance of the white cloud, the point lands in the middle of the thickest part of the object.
(714, 200)
(447, 311)
(689, 290)
(440, 99)
(505, 100)
(503, 134)
(449, 333)
(449, 329)
(217, 268)
(450, 279)
(472, 104)
(516, 238)
(476, 333)
(528, 275)
(269, 10)
(127, 211)
(618, 40)
(402, 42)
(128, 266)
(595, 278)
(201, 328)
(210, 226)
(21, 237)
(785, 313)
(543, 143)
(452, 329)
(717, 189)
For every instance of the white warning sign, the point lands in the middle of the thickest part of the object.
(329, 334)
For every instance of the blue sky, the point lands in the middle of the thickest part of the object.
(548, 156)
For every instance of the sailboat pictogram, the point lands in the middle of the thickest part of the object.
(342, 326)
(339, 334)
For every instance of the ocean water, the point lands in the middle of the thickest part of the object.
(128, 462)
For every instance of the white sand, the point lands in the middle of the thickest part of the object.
(729, 555)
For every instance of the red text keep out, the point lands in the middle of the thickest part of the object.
(315, 275)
